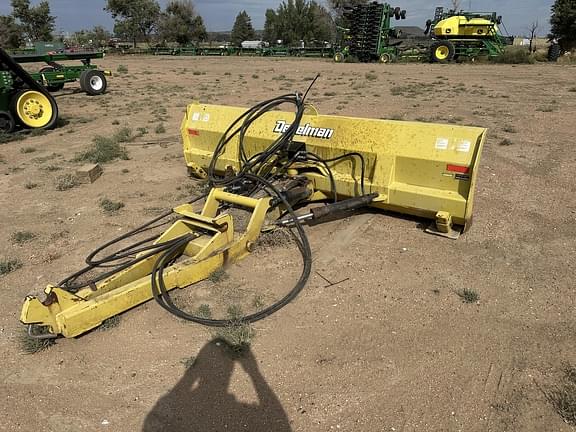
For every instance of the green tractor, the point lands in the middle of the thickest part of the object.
(24, 102)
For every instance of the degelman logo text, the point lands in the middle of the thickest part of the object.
(305, 130)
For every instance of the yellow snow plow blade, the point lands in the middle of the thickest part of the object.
(422, 169)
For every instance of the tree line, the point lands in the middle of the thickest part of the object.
(291, 22)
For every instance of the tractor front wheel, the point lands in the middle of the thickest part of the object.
(34, 110)
(385, 58)
(338, 57)
(93, 82)
(442, 51)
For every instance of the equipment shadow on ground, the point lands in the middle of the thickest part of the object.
(200, 401)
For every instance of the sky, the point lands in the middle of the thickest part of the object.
(219, 15)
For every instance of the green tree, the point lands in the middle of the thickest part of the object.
(36, 22)
(134, 19)
(321, 23)
(10, 32)
(180, 23)
(98, 37)
(270, 26)
(301, 20)
(563, 22)
(242, 29)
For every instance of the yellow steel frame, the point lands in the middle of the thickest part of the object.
(214, 244)
(423, 169)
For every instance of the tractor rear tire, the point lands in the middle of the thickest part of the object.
(554, 53)
(7, 123)
(34, 110)
(442, 52)
(54, 87)
(93, 82)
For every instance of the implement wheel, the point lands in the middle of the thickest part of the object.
(93, 82)
(554, 53)
(338, 57)
(52, 87)
(442, 51)
(385, 58)
(34, 110)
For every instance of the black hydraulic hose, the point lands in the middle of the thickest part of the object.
(92, 263)
(90, 259)
(162, 295)
(257, 161)
(251, 169)
(68, 282)
(362, 163)
(317, 158)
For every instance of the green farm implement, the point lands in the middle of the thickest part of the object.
(370, 36)
(55, 75)
(369, 33)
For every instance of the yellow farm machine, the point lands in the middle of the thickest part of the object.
(284, 167)
(465, 35)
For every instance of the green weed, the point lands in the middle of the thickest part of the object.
(107, 149)
(218, 275)
(515, 55)
(468, 295)
(31, 345)
(66, 182)
(110, 207)
(21, 237)
(204, 311)
(110, 323)
(8, 265)
(563, 397)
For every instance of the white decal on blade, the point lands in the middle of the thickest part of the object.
(305, 130)
(441, 144)
(463, 146)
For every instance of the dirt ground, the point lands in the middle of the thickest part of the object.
(392, 348)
